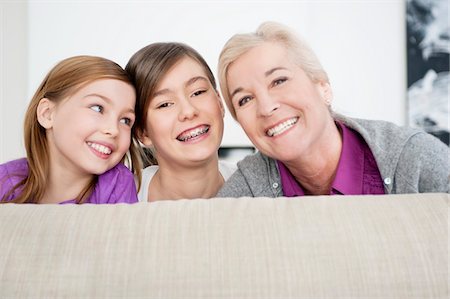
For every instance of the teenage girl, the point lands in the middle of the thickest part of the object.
(179, 117)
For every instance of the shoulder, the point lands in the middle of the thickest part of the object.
(150, 171)
(384, 135)
(12, 168)
(386, 140)
(378, 129)
(117, 173)
(116, 185)
(11, 173)
(227, 169)
(147, 174)
(427, 151)
(256, 160)
(253, 177)
(15, 165)
(257, 165)
(424, 164)
(409, 155)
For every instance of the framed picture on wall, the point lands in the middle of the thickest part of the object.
(428, 48)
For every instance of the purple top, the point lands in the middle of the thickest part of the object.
(114, 186)
(357, 171)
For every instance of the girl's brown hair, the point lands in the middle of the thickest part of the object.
(66, 78)
(146, 69)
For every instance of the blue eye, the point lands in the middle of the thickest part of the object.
(97, 108)
(127, 121)
(244, 100)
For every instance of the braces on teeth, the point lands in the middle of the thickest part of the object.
(194, 133)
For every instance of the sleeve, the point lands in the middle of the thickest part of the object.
(12, 173)
(235, 186)
(432, 157)
(5, 184)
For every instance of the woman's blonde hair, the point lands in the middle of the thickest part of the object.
(298, 50)
(65, 79)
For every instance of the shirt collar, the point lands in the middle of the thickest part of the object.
(349, 173)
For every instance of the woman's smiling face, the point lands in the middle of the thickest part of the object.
(282, 111)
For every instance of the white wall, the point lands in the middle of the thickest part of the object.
(361, 43)
(13, 78)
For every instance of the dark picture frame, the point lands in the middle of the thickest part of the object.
(428, 47)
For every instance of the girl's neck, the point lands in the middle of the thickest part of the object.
(64, 185)
(202, 181)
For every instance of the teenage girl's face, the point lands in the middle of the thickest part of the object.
(184, 122)
(90, 131)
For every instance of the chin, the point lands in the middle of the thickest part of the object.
(200, 157)
(286, 156)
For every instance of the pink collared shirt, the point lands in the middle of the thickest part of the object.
(357, 171)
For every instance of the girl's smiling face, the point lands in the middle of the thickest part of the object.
(184, 122)
(89, 132)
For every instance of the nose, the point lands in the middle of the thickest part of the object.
(267, 104)
(187, 110)
(111, 127)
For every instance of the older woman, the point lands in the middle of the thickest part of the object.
(276, 88)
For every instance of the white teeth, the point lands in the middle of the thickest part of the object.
(100, 148)
(194, 133)
(280, 128)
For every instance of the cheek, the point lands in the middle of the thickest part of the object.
(247, 123)
(212, 105)
(125, 137)
(152, 120)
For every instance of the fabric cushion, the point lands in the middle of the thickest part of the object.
(386, 246)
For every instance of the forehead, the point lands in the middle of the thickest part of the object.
(256, 62)
(260, 58)
(113, 89)
(107, 85)
(182, 71)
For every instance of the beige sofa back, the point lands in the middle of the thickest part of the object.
(310, 247)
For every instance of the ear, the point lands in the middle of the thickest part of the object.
(326, 92)
(44, 113)
(144, 138)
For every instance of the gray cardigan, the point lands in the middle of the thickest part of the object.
(409, 161)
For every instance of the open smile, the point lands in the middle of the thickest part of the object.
(193, 133)
(282, 127)
(100, 149)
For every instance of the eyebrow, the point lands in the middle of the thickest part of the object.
(271, 71)
(160, 92)
(188, 83)
(266, 74)
(195, 79)
(106, 99)
(237, 90)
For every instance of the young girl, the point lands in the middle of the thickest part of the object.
(179, 116)
(77, 132)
